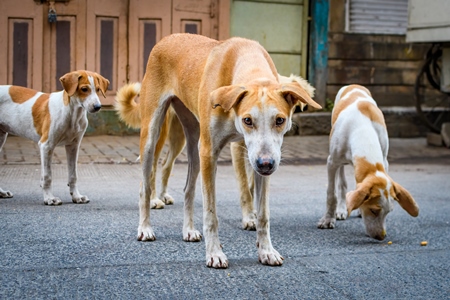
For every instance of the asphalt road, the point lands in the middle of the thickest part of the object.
(91, 252)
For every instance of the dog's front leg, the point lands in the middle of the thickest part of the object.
(329, 219)
(46, 174)
(267, 255)
(72, 158)
(341, 209)
(214, 255)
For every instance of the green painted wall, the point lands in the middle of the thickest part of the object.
(106, 122)
(279, 26)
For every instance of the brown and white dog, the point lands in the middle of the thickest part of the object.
(359, 137)
(172, 134)
(221, 92)
(52, 120)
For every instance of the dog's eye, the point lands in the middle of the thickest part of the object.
(84, 89)
(247, 121)
(279, 121)
(98, 90)
(375, 212)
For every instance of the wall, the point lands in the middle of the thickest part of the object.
(280, 26)
(386, 64)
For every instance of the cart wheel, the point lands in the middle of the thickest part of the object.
(432, 105)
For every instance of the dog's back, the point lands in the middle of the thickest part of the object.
(19, 108)
(358, 124)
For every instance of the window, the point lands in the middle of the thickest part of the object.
(377, 16)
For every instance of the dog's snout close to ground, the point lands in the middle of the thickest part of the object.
(265, 165)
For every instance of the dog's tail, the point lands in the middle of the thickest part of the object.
(126, 106)
(302, 82)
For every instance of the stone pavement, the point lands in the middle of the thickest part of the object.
(106, 149)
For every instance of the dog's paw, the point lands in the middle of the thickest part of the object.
(167, 199)
(218, 260)
(341, 215)
(249, 222)
(326, 223)
(192, 236)
(52, 201)
(145, 234)
(5, 194)
(270, 257)
(80, 200)
(156, 204)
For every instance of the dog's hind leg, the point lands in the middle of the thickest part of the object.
(155, 202)
(245, 182)
(341, 210)
(3, 136)
(329, 219)
(150, 132)
(177, 142)
(267, 255)
(192, 134)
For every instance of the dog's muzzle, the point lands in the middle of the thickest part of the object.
(97, 107)
(265, 165)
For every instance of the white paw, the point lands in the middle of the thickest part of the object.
(192, 236)
(326, 223)
(80, 200)
(270, 257)
(156, 204)
(52, 201)
(217, 260)
(167, 199)
(249, 222)
(341, 214)
(146, 234)
(5, 194)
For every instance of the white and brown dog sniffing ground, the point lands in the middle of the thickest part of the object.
(55, 119)
(221, 92)
(359, 137)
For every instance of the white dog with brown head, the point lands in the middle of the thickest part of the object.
(54, 119)
(359, 137)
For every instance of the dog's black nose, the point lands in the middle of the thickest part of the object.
(265, 165)
(97, 107)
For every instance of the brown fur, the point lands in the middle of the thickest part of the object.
(21, 94)
(41, 116)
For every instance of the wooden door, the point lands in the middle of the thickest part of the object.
(21, 49)
(195, 16)
(111, 37)
(151, 20)
(64, 42)
(106, 42)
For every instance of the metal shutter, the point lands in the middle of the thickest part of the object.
(377, 16)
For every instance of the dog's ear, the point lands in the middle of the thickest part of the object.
(103, 83)
(405, 200)
(69, 82)
(227, 96)
(294, 93)
(356, 198)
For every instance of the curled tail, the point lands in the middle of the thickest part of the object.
(302, 82)
(127, 109)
